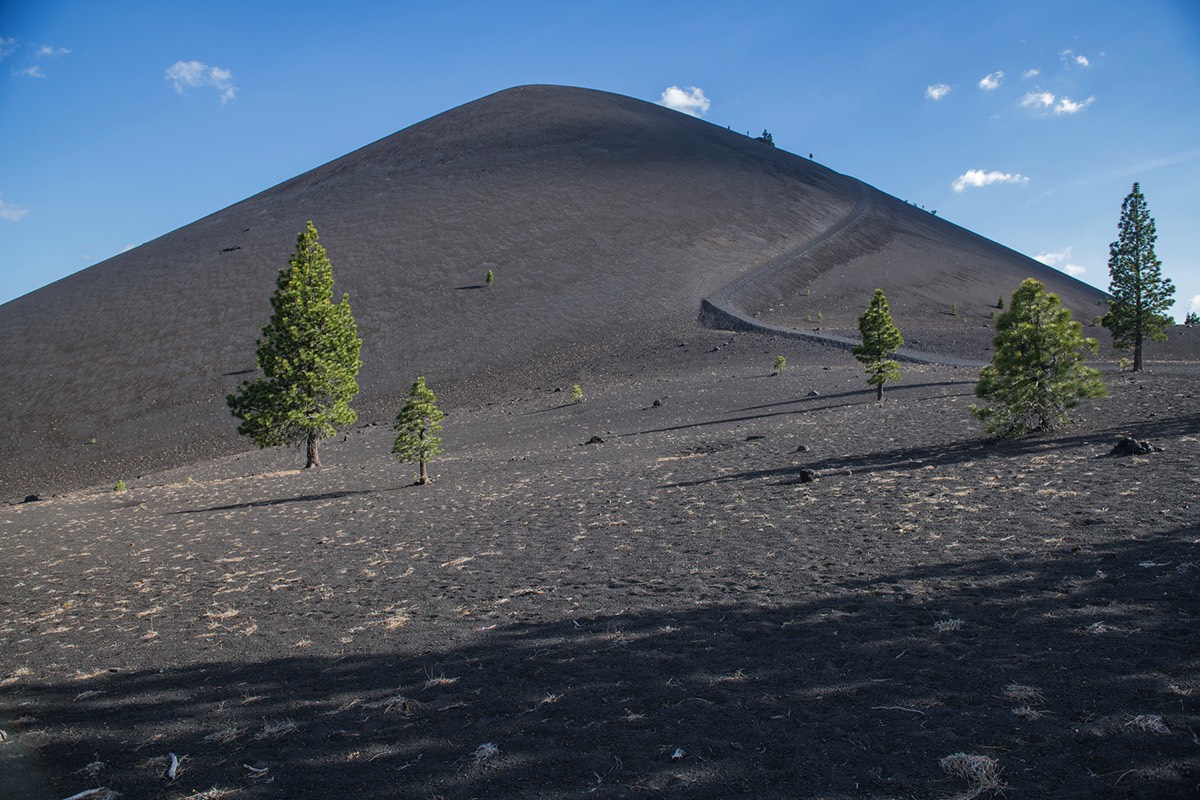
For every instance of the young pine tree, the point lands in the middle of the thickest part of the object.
(1037, 372)
(1140, 293)
(418, 425)
(309, 357)
(880, 338)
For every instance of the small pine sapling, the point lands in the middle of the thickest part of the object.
(1192, 318)
(418, 425)
(120, 487)
(1036, 374)
(1000, 303)
(880, 338)
(491, 277)
(577, 394)
(780, 365)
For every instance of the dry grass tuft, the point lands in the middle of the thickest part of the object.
(948, 625)
(1023, 694)
(485, 752)
(982, 773)
(225, 735)
(440, 679)
(275, 730)
(1151, 723)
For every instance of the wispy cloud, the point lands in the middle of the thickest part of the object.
(937, 91)
(992, 80)
(689, 100)
(1137, 168)
(1038, 100)
(1030, 73)
(1061, 260)
(8, 46)
(30, 72)
(1071, 58)
(12, 213)
(1194, 304)
(978, 178)
(1046, 101)
(1068, 106)
(185, 75)
(46, 51)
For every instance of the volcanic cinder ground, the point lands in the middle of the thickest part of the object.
(669, 611)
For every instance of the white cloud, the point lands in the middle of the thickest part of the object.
(30, 72)
(46, 51)
(977, 177)
(1039, 100)
(1060, 260)
(185, 75)
(12, 213)
(1030, 73)
(1070, 57)
(1194, 304)
(937, 91)
(7, 47)
(992, 81)
(1068, 106)
(689, 100)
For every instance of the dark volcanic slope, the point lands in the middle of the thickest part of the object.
(606, 220)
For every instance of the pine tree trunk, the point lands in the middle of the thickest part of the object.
(879, 393)
(313, 459)
(424, 479)
(1137, 352)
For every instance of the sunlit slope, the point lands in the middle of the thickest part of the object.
(605, 220)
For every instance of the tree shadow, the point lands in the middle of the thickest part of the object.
(939, 455)
(854, 691)
(306, 498)
(811, 404)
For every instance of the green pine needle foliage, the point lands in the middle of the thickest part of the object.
(880, 338)
(309, 358)
(1141, 296)
(577, 394)
(780, 365)
(418, 425)
(1037, 374)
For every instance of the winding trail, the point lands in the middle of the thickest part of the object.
(719, 310)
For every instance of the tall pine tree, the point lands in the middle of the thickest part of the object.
(1037, 372)
(880, 338)
(309, 357)
(1140, 293)
(418, 425)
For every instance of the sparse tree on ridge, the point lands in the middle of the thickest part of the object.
(1037, 374)
(880, 338)
(418, 425)
(766, 138)
(309, 357)
(1140, 293)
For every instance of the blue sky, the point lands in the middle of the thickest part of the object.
(1027, 122)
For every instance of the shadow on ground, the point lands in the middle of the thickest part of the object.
(856, 694)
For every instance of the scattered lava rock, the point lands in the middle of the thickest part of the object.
(594, 440)
(1128, 446)
(32, 498)
(808, 476)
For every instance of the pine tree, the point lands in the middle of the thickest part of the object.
(880, 338)
(1140, 293)
(309, 357)
(1037, 372)
(418, 425)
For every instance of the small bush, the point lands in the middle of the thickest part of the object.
(954, 310)
(1000, 304)
(490, 277)
(577, 394)
(780, 365)
(120, 487)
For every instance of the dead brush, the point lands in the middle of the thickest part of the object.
(275, 730)
(440, 679)
(406, 706)
(225, 735)
(1023, 694)
(982, 773)
(1151, 723)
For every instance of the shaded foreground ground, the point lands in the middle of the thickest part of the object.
(552, 619)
